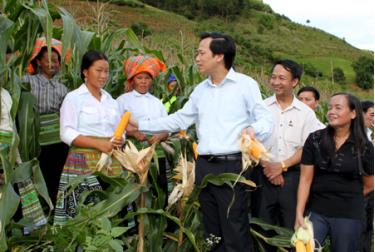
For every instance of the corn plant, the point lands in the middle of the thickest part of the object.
(100, 226)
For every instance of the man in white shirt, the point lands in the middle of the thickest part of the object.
(223, 106)
(310, 96)
(275, 202)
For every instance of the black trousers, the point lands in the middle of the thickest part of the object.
(51, 160)
(275, 204)
(233, 228)
(367, 233)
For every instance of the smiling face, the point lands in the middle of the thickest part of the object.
(142, 82)
(97, 74)
(369, 118)
(49, 69)
(282, 81)
(339, 113)
(308, 98)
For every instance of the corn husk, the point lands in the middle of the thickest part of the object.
(305, 235)
(105, 161)
(252, 151)
(185, 175)
(137, 162)
(167, 148)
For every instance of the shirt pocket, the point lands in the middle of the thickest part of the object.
(113, 117)
(89, 116)
(292, 136)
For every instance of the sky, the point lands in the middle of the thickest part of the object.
(349, 19)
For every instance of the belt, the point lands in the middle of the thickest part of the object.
(228, 157)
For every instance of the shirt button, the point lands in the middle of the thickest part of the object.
(281, 125)
(279, 150)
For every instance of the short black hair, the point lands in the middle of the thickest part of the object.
(291, 66)
(222, 44)
(310, 89)
(366, 105)
(88, 60)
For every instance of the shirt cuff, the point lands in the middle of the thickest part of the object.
(260, 132)
(68, 136)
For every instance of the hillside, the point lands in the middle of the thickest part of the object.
(261, 37)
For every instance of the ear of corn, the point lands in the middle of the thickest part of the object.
(185, 176)
(137, 162)
(119, 132)
(182, 133)
(252, 150)
(300, 247)
(304, 236)
(195, 150)
(105, 159)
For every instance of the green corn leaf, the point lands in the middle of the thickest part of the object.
(9, 201)
(28, 122)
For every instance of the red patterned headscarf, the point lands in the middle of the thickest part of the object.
(42, 42)
(140, 64)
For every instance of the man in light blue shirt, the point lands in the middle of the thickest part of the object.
(222, 107)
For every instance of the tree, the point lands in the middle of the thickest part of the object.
(338, 75)
(364, 70)
(311, 70)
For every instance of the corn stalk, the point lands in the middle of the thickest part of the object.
(137, 162)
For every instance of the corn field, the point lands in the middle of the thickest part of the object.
(105, 225)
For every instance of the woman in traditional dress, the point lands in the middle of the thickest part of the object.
(49, 93)
(140, 71)
(31, 207)
(89, 116)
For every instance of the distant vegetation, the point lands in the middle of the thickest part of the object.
(207, 8)
(262, 36)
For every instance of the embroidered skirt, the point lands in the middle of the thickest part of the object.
(80, 162)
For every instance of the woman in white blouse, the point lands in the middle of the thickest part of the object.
(140, 72)
(89, 116)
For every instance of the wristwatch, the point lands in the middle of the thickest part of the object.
(283, 166)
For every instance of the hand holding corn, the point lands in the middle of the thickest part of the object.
(105, 159)
(249, 131)
(303, 237)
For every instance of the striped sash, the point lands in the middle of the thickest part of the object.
(92, 157)
(49, 129)
(6, 137)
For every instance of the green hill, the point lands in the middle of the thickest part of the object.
(262, 37)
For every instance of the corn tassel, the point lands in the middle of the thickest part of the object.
(105, 159)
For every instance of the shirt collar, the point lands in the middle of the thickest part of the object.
(84, 90)
(230, 77)
(351, 139)
(137, 94)
(44, 80)
(295, 103)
